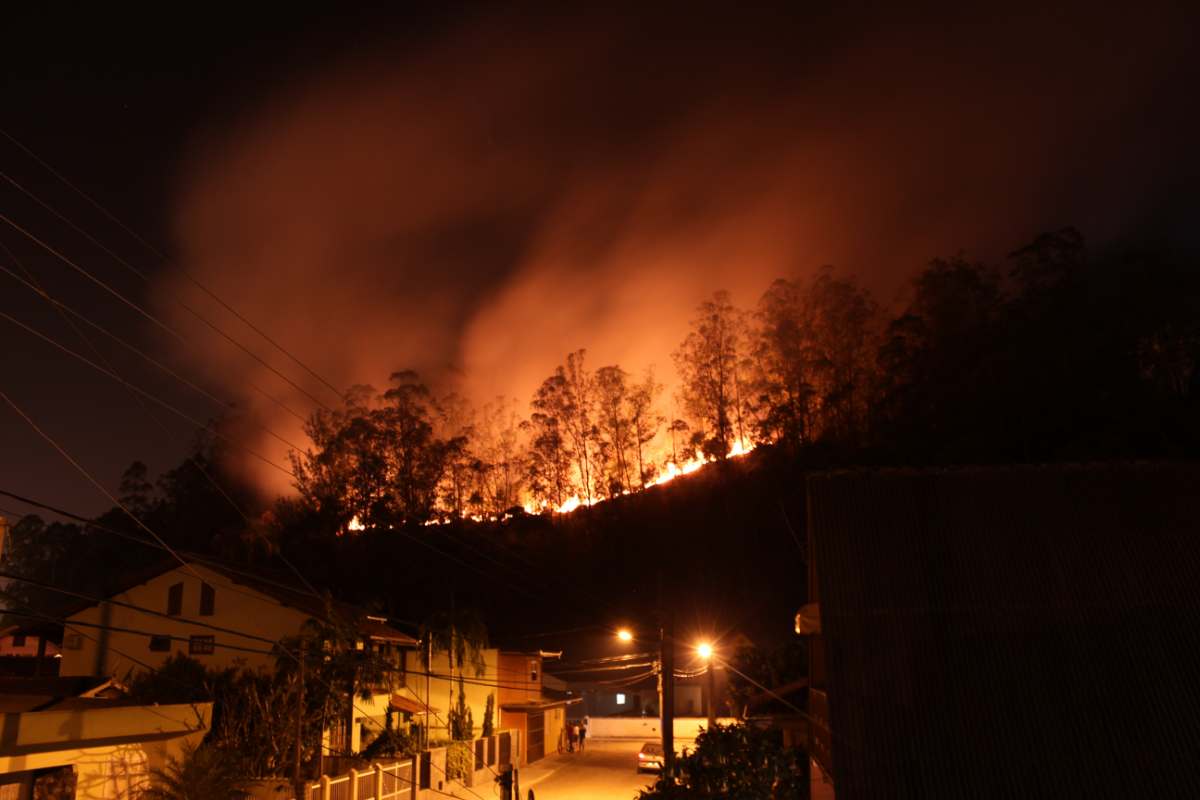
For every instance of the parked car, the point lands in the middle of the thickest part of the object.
(650, 757)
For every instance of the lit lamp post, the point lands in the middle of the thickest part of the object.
(705, 651)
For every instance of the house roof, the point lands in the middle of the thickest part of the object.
(407, 704)
(370, 626)
(988, 630)
(540, 705)
(18, 695)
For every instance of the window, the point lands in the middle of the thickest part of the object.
(201, 646)
(72, 641)
(208, 600)
(18, 640)
(175, 600)
(533, 671)
(620, 699)
(160, 644)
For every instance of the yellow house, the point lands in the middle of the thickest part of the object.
(213, 614)
(221, 618)
(61, 739)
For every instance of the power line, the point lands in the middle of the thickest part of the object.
(202, 560)
(154, 319)
(142, 392)
(195, 281)
(61, 306)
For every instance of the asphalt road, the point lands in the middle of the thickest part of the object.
(605, 772)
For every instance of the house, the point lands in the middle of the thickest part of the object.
(525, 705)
(222, 618)
(78, 738)
(1006, 631)
(30, 649)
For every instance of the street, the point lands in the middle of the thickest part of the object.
(604, 772)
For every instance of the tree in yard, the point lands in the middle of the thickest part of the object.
(645, 421)
(708, 364)
(489, 711)
(202, 773)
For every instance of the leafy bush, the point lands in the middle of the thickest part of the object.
(735, 762)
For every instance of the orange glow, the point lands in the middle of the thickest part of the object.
(625, 635)
(704, 650)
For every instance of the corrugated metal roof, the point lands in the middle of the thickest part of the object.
(1005, 632)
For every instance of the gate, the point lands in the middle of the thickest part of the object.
(537, 736)
(505, 749)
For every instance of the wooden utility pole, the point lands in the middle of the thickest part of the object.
(712, 691)
(296, 777)
(666, 660)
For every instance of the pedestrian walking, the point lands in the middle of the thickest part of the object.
(572, 735)
(583, 732)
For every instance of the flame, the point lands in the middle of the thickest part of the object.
(669, 472)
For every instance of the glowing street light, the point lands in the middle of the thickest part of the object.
(625, 635)
(705, 651)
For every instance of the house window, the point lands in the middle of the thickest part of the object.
(18, 640)
(201, 646)
(533, 671)
(73, 641)
(160, 644)
(620, 699)
(175, 600)
(208, 600)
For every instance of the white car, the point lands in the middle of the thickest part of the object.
(650, 757)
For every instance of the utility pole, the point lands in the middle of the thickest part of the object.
(296, 777)
(712, 692)
(428, 669)
(666, 660)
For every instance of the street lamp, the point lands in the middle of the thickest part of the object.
(704, 649)
(625, 635)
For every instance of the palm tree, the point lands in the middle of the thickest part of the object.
(202, 773)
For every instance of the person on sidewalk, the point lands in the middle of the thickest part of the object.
(572, 735)
(583, 732)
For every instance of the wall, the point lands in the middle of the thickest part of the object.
(92, 651)
(647, 728)
(443, 692)
(111, 749)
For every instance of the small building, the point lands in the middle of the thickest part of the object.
(526, 706)
(79, 738)
(30, 649)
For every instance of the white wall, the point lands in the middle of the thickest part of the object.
(647, 728)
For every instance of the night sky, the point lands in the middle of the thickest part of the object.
(474, 193)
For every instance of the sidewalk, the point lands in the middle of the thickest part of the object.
(532, 773)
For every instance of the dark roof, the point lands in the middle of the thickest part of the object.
(540, 705)
(1011, 631)
(294, 597)
(38, 694)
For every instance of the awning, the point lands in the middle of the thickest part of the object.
(409, 705)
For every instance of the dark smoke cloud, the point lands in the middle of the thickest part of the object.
(514, 190)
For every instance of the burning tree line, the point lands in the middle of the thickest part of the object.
(985, 361)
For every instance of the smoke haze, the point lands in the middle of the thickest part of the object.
(478, 207)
